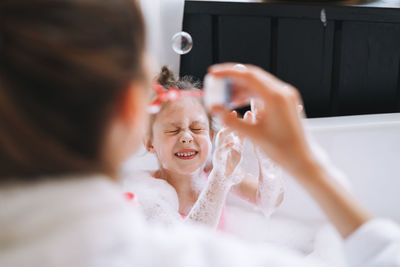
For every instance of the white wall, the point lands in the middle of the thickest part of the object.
(163, 18)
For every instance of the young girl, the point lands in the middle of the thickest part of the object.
(180, 136)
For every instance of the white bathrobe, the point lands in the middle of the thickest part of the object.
(85, 221)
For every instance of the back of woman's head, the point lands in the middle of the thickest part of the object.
(63, 65)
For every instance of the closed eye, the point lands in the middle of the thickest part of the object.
(197, 129)
(172, 131)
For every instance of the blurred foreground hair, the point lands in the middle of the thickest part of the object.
(63, 66)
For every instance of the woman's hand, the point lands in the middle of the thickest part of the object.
(278, 130)
(279, 133)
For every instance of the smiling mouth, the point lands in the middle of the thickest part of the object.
(186, 155)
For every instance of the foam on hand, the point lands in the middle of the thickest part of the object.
(226, 159)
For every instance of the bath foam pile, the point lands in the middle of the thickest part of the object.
(157, 199)
(314, 239)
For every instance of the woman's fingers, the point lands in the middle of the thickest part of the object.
(242, 127)
(256, 105)
(244, 84)
(252, 81)
(255, 79)
(248, 116)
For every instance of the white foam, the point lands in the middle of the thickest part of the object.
(157, 199)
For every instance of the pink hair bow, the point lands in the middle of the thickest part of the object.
(170, 94)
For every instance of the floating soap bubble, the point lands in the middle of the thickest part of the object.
(182, 43)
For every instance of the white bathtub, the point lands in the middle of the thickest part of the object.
(367, 149)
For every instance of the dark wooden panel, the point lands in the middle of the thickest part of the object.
(350, 67)
(196, 62)
(245, 40)
(304, 59)
(352, 10)
(369, 68)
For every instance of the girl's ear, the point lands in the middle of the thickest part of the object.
(149, 145)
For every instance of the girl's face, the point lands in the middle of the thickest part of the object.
(181, 136)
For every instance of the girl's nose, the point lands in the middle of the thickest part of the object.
(186, 138)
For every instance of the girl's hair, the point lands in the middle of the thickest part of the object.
(63, 66)
(167, 79)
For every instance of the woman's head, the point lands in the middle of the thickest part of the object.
(67, 67)
(180, 134)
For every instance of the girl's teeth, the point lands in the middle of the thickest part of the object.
(185, 154)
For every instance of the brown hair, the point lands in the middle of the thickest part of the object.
(167, 79)
(63, 65)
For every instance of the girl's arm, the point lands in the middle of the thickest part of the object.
(266, 191)
(248, 188)
(227, 156)
(270, 191)
(208, 207)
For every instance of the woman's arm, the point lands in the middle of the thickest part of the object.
(278, 131)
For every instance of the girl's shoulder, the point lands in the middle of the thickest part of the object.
(144, 179)
(157, 199)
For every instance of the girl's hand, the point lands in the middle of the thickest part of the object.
(228, 154)
(278, 130)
